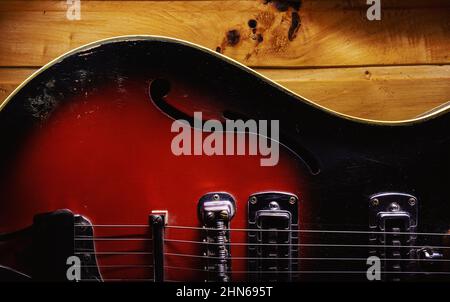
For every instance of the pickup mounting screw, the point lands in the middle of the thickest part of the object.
(273, 205)
(210, 215)
(216, 196)
(394, 207)
(223, 215)
(253, 200)
(292, 200)
(412, 201)
(375, 202)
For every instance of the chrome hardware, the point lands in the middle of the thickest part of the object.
(429, 254)
(393, 219)
(215, 211)
(157, 221)
(426, 257)
(272, 216)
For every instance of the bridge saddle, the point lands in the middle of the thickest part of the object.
(215, 211)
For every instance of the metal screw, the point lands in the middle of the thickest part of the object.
(292, 200)
(223, 215)
(412, 201)
(375, 202)
(216, 196)
(253, 200)
(157, 219)
(274, 205)
(210, 215)
(394, 207)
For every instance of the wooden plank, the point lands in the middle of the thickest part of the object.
(385, 93)
(320, 33)
(10, 78)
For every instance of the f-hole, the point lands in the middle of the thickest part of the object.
(157, 91)
(159, 88)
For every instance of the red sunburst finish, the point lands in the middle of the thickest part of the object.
(111, 162)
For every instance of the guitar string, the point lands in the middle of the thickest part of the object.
(308, 231)
(115, 266)
(269, 244)
(118, 280)
(268, 272)
(298, 272)
(298, 258)
(277, 230)
(93, 238)
(314, 245)
(253, 230)
(286, 272)
(113, 253)
(311, 271)
(303, 244)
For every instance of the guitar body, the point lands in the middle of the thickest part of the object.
(92, 133)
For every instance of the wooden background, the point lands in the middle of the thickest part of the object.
(325, 50)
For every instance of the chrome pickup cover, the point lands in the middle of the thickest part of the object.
(273, 245)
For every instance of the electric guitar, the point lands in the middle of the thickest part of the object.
(117, 163)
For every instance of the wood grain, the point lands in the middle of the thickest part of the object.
(10, 78)
(329, 32)
(384, 93)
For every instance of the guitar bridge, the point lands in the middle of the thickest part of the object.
(216, 210)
